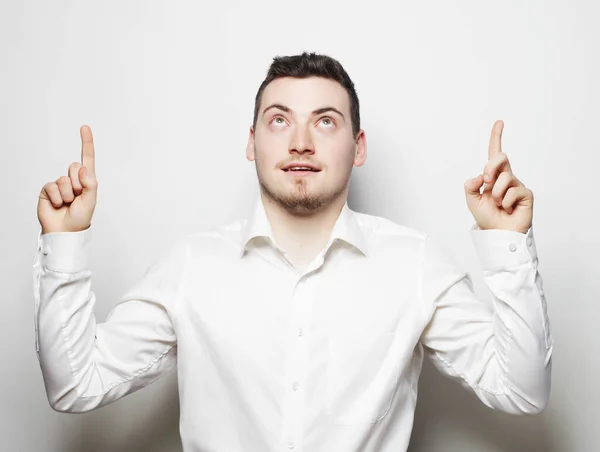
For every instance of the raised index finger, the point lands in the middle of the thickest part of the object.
(88, 157)
(496, 140)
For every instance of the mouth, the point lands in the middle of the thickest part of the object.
(300, 169)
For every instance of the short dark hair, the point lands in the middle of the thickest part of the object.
(311, 65)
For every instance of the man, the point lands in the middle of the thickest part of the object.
(303, 327)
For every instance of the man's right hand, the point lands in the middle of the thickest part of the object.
(67, 205)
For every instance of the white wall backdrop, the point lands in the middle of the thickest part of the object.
(168, 89)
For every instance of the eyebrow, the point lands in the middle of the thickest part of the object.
(318, 111)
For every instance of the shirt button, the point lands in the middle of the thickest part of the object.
(512, 247)
(45, 251)
(529, 241)
(541, 293)
(295, 386)
(300, 332)
(291, 445)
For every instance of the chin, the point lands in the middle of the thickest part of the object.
(302, 202)
(300, 196)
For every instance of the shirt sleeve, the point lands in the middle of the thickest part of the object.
(499, 349)
(86, 364)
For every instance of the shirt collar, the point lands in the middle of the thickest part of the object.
(346, 228)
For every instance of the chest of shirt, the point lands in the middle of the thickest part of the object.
(258, 302)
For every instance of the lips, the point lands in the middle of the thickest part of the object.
(301, 167)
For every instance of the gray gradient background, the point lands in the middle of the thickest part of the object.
(168, 89)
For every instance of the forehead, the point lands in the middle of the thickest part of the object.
(303, 95)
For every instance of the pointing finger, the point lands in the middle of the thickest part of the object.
(88, 157)
(496, 139)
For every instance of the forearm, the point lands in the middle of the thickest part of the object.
(84, 364)
(501, 350)
(523, 345)
(65, 336)
(522, 339)
(64, 320)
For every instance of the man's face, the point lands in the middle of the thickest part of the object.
(305, 121)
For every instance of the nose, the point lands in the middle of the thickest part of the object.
(301, 141)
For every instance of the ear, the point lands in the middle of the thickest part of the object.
(361, 148)
(250, 146)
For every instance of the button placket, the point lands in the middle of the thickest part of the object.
(301, 299)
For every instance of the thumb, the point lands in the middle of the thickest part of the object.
(88, 182)
(472, 189)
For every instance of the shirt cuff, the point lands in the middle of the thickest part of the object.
(500, 249)
(66, 252)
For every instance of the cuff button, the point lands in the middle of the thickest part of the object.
(512, 247)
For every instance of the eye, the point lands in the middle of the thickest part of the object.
(278, 121)
(327, 122)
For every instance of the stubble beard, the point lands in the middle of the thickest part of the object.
(300, 200)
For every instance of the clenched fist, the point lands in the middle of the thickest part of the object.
(67, 205)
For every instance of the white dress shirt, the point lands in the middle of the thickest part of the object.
(269, 359)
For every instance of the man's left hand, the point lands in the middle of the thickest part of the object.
(505, 202)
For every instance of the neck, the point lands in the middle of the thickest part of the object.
(302, 236)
